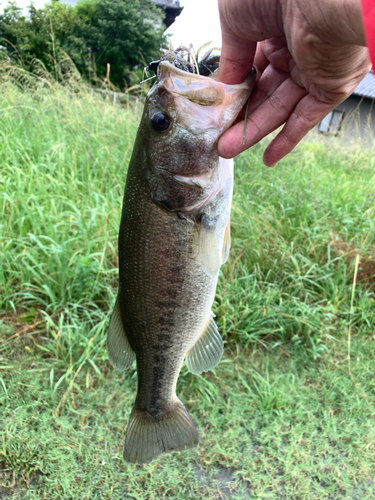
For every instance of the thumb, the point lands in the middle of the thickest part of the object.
(237, 54)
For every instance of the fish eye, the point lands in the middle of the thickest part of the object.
(160, 121)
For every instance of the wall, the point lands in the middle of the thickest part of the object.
(359, 119)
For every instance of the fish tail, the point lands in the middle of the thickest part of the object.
(148, 437)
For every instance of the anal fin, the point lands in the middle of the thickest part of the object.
(207, 351)
(120, 354)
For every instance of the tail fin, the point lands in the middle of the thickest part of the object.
(147, 438)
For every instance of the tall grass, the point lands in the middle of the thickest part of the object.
(64, 159)
(63, 167)
(297, 229)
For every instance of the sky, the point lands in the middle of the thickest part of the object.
(197, 24)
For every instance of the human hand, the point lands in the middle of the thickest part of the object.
(310, 58)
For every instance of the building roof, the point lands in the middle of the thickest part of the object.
(167, 3)
(171, 8)
(367, 86)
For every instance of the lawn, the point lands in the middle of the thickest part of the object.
(288, 413)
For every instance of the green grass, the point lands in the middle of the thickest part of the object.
(287, 414)
(270, 426)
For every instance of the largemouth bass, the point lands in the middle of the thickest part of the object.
(174, 236)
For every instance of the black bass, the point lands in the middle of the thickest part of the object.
(174, 236)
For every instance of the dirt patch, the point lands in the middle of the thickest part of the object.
(11, 484)
(366, 264)
(18, 331)
(224, 481)
(22, 320)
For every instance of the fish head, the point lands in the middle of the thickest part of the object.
(184, 116)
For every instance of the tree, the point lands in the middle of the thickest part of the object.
(94, 33)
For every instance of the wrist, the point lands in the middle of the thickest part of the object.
(338, 22)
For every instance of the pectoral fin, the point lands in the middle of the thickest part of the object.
(120, 354)
(207, 351)
(209, 253)
(226, 243)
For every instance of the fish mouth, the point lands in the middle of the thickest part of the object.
(199, 89)
(214, 105)
(200, 109)
(196, 88)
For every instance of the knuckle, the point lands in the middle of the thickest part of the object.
(277, 104)
(251, 123)
(304, 120)
(284, 135)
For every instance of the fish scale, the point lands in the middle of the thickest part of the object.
(174, 236)
(165, 292)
